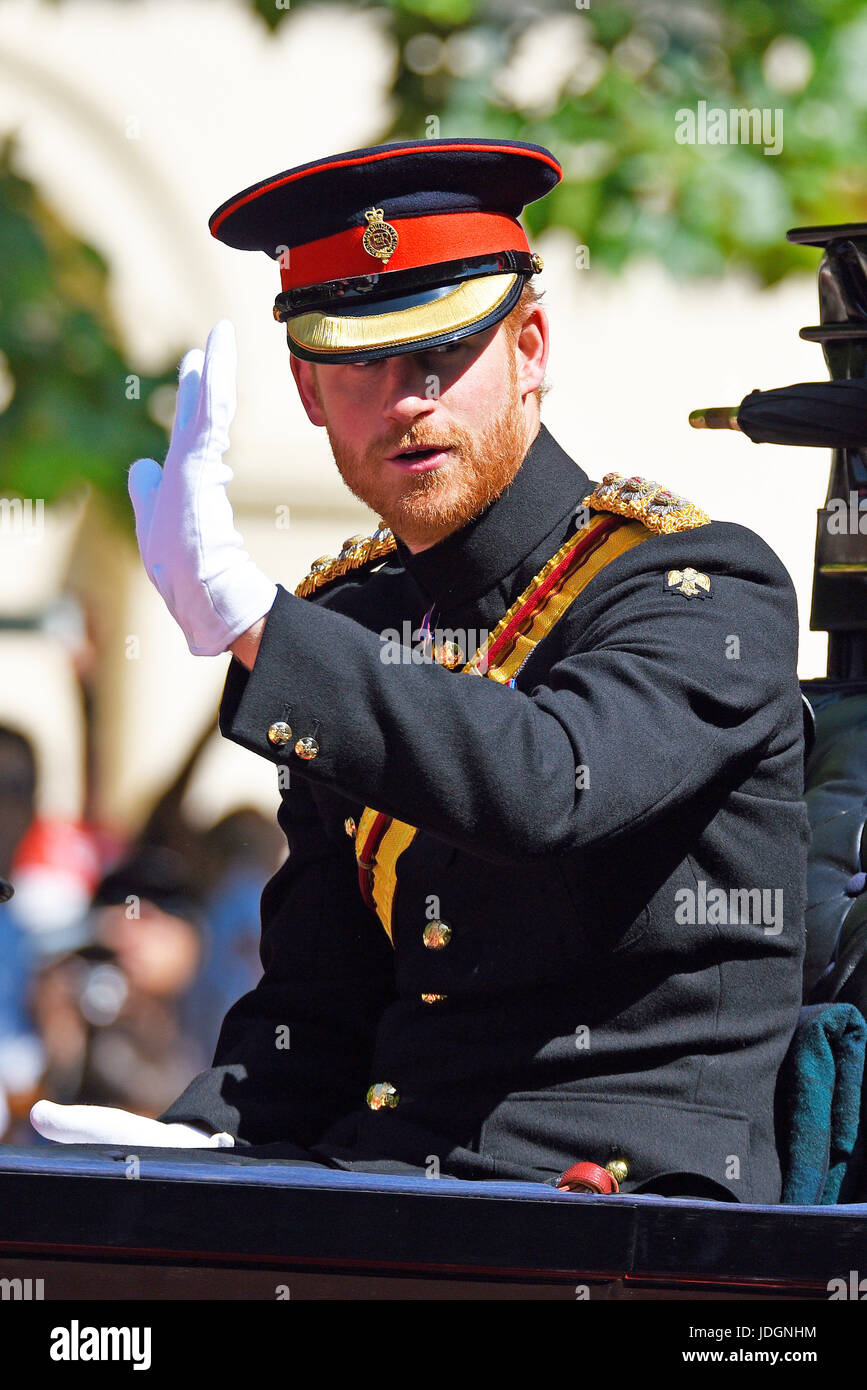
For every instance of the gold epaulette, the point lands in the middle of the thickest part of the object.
(357, 551)
(650, 503)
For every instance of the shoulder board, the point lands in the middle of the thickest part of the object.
(650, 503)
(356, 552)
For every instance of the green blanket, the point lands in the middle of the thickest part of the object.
(820, 1106)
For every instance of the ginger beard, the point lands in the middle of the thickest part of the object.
(426, 507)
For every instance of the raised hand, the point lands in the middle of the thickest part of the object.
(186, 531)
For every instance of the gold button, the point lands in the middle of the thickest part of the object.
(307, 748)
(382, 1096)
(349, 826)
(433, 998)
(618, 1168)
(279, 733)
(537, 262)
(436, 935)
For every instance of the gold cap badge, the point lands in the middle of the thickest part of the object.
(380, 239)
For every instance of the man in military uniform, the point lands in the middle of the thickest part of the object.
(543, 903)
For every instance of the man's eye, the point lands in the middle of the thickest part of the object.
(438, 354)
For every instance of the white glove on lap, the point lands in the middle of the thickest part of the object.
(183, 517)
(99, 1124)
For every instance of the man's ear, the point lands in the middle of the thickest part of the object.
(531, 350)
(305, 380)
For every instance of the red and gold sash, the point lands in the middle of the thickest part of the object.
(380, 839)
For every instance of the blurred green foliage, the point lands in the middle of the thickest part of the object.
(78, 411)
(601, 81)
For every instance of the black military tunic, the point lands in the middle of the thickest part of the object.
(616, 845)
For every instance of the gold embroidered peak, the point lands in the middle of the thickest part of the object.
(357, 551)
(660, 510)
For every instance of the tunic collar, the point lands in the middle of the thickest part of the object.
(467, 564)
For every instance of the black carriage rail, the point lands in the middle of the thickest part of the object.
(95, 1221)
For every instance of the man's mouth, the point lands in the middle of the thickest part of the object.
(419, 460)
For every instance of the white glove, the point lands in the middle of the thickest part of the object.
(183, 517)
(99, 1124)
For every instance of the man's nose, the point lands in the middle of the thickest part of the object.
(409, 392)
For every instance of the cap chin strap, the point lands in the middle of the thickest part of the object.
(362, 290)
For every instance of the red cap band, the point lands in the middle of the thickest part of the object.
(420, 241)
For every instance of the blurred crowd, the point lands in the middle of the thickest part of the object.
(118, 958)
